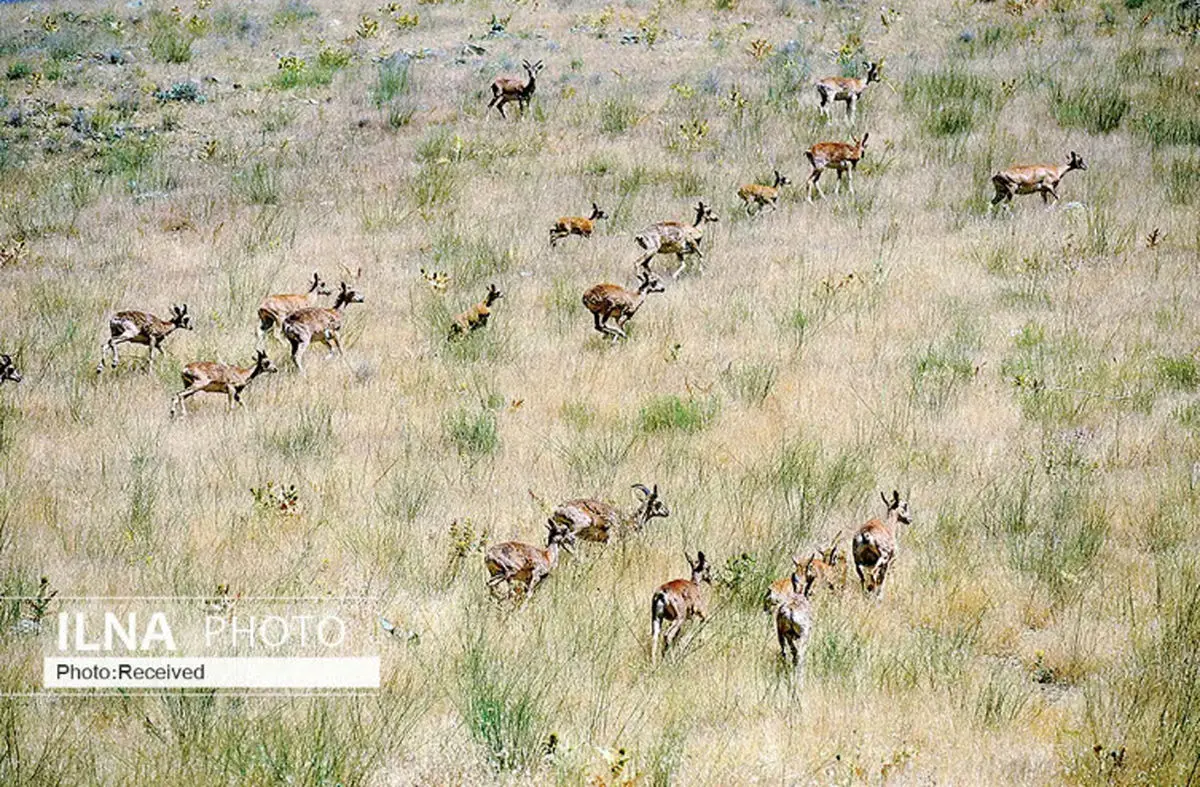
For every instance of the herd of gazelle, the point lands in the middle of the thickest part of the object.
(299, 316)
(520, 567)
(302, 319)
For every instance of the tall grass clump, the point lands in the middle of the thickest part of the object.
(170, 42)
(310, 434)
(950, 101)
(618, 114)
(258, 184)
(473, 432)
(671, 413)
(501, 706)
(938, 369)
(1181, 179)
(1095, 106)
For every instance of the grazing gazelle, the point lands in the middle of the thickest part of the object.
(841, 157)
(141, 328)
(793, 616)
(759, 197)
(477, 316)
(506, 89)
(614, 302)
(576, 225)
(846, 89)
(514, 562)
(676, 602)
(304, 326)
(8, 370)
(1034, 179)
(275, 308)
(219, 378)
(673, 237)
(875, 545)
(596, 520)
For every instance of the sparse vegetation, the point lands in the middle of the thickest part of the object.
(1025, 376)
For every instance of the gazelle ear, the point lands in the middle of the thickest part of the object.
(699, 558)
(895, 497)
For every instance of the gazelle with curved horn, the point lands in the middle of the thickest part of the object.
(875, 544)
(591, 519)
(137, 327)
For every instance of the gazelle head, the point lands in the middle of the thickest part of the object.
(180, 317)
(897, 507)
(597, 213)
(319, 286)
(651, 504)
(1075, 161)
(264, 364)
(873, 70)
(532, 69)
(808, 572)
(647, 281)
(492, 296)
(347, 295)
(560, 535)
(861, 144)
(8, 371)
(704, 214)
(781, 180)
(701, 571)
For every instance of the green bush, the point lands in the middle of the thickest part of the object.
(19, 70)
(1178, 371)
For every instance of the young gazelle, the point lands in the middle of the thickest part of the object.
(596, 520)
(506, 89)
(676, 602)
(576, 225)
(304, 326)
(673, 237)
(838, 156)
(793, 616)
(614, 302)
(846, 89)
(517, 562)
(141, 328)
(759, 197)
(275, 308)
(875, 544)
(477, 316)
(8, 370)
(1034, 179)
(219, 378)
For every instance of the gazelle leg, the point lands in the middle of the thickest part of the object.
(231, 393)
(850, 180)
(850, 109)
(682, 265)
(298, 349)
(179, 399)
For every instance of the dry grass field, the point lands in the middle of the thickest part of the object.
(1026, 377)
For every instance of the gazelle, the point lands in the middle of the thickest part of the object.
(219, 378)
(576, 225)
(1034, 179)
(304, 326)
(517, 562)
(141, 328)
(875, 544)
(673, 237)
(506, 89)
(793, 616)
(275, 308)
(614, 302)
(678, 601)
(759, 197)
(596, 520)
(841, 157)
(846, 89)
(477, 316)
(8, 370)
(828, 568)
